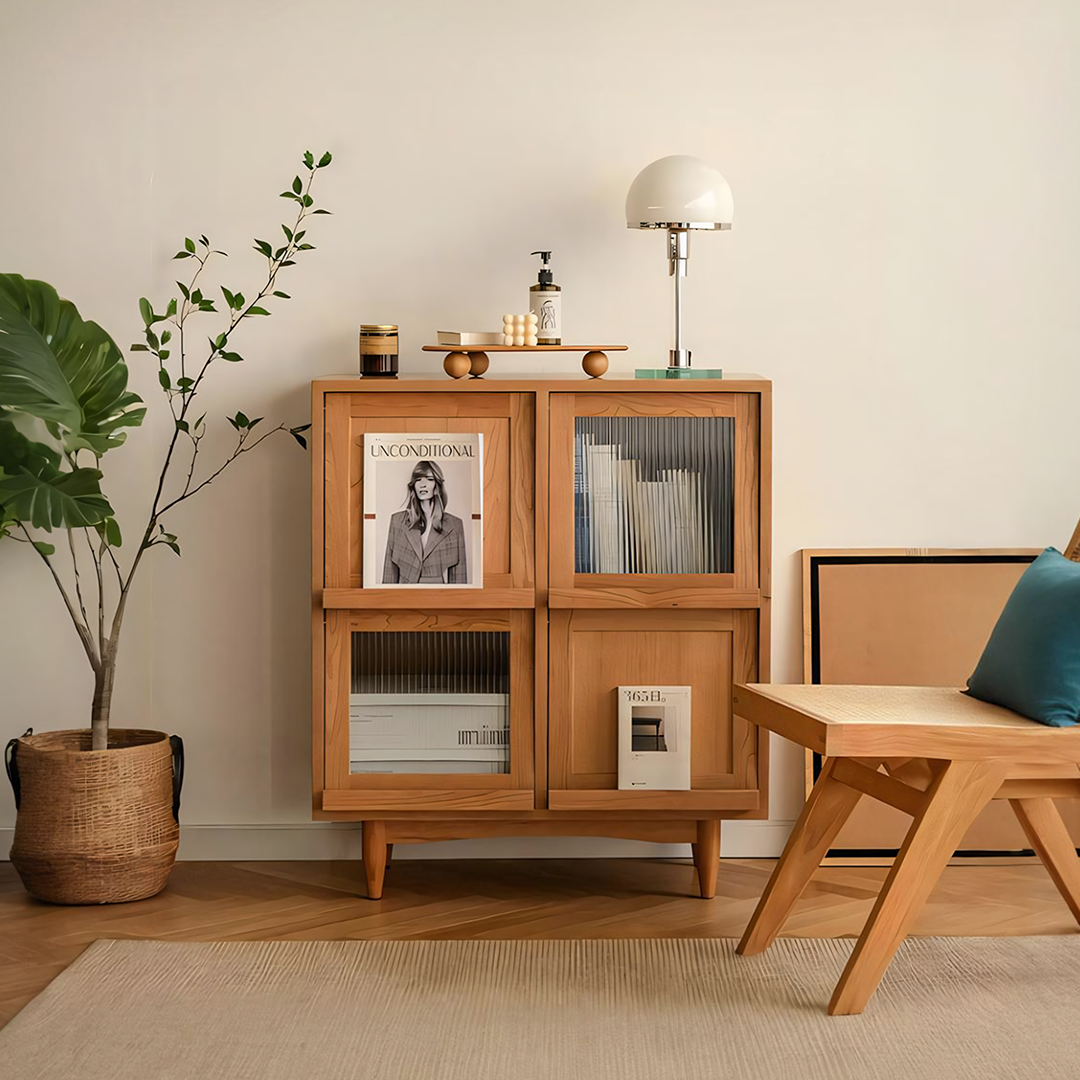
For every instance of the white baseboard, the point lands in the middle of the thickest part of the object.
(318, 840)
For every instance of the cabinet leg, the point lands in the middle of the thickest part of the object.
(373, 843)
(389, 853)
(707, 856)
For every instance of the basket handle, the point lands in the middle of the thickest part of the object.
(177, 745)
(11, 766)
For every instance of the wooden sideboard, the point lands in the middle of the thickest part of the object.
(568, 630)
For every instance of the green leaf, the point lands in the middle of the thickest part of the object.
(163, 354)
(196, 296)
(287, 231)
(264, 248)
(60, 368)
(325, 160)
(182, 255)
(305, 247)
(70, 499)
(182, 425)
(283, 295)
(219, 341)
(309, 159)
(300, 235)
(189, 245)
(163, 378)
(174, 545)
(198, 423)
(184, 289)
(230, 298)
(232, 357)
(139, 347)
(295, 433)
(289, 195)
(109, 531)
(239, 301)
(185, 383)
(308, 200)
(320, 211)
(241, 420)
(297, 186)
(256, 311)
(152, 339)
(166, 336)
(170, 311)
(252, 423)
(43, 548)
(146, 311)
(205, 243)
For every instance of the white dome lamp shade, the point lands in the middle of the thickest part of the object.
(679, 193)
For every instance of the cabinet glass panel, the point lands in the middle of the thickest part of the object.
(430, 702)
(654, 494)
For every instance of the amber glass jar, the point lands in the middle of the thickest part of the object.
(378, 349)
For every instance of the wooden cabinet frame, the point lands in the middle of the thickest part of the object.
(531, 590)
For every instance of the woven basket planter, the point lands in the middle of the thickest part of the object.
(95, 826)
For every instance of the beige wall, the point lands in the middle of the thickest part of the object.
(903, 265)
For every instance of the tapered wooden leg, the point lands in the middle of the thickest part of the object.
(1047, 834)
(828, 807)
(373, 844)
(960, 791)
(707, 856)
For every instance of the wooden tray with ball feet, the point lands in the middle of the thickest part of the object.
(462, 360)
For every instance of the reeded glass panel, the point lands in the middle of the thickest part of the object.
(654, 494)
(430, 702)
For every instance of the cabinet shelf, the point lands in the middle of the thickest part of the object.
(423, 599)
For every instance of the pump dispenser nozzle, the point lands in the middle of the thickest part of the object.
(545, 277)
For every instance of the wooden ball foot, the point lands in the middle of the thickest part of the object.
(457, 365)
(478, 364)
(594, 363)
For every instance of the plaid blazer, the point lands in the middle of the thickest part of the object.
(407, 563)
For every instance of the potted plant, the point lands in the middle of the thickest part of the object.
(98, 808)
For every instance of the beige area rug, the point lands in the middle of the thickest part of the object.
(986, 1008)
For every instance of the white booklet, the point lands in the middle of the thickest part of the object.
(654, 738)
(423, 510)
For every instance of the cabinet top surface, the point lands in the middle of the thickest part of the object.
(567, 383)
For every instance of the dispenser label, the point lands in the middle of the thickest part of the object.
(547, 307)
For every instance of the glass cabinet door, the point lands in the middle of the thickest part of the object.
(657, 498)
(429, 710)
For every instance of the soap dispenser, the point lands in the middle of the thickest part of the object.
(545, 302)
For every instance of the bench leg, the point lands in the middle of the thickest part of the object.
(1047, 834)
(958, 794)
(828, 807)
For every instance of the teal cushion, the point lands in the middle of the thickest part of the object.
(1031, 664)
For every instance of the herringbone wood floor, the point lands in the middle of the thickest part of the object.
(494, 899)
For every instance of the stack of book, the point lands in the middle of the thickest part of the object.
(429, 733)
(653, 495)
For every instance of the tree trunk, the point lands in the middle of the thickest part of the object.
(103, 685)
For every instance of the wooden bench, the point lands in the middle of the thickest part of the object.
(945, 755)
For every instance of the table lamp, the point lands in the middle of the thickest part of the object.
(678, 193)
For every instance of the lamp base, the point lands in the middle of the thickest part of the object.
(678, 373)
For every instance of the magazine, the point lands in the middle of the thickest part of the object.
(423, 510)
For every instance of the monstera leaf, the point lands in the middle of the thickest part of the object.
(62, 369)
(34, 489)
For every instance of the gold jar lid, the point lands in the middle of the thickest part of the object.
(368, 328)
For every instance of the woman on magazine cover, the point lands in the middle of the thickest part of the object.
(426, 545)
